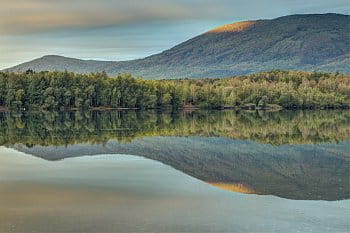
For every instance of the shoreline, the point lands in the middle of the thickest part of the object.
(185, 110)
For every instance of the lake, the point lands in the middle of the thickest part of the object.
(149, 171)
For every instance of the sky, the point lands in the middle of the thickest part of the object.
(127, 29)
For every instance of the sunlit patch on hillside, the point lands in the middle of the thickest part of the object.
(235, 27)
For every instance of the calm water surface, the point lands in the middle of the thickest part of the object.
(175, 172)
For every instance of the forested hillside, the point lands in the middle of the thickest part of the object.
(275, 89)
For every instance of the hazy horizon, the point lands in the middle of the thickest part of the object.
(117, 30)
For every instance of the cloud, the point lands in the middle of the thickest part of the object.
(23, 16)
(26, 16)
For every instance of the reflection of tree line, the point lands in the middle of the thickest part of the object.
(62, 128)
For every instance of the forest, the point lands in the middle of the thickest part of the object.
(275, 89)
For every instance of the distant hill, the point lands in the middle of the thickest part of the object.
(298, 42)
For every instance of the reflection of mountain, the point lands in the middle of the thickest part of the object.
(290, 171)
(234, 187)
(287, 127)
(312, 172)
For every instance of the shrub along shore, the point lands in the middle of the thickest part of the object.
(276, 89)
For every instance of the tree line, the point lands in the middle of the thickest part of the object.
(66, 90)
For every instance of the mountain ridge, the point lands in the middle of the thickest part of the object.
(310, 42)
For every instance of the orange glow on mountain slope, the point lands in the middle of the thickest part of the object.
(235, 27)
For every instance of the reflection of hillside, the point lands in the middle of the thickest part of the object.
(306, 172)
(63, 128)
(237, 188)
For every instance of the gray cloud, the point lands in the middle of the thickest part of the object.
(21, 16)
(26, 16)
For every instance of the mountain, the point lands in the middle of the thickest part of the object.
(302, 42)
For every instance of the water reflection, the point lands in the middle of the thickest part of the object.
(121, 193)
(63, 128)
(294, 155)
